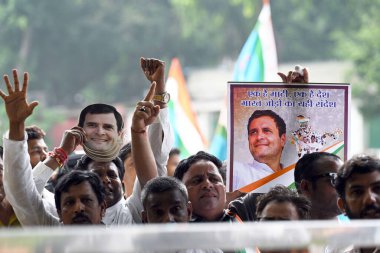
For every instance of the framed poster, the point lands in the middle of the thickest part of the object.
(272, 125)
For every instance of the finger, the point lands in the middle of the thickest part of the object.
(161, 64)
(8, 84)
(283, 77)
(152, 68)
(32, 106)
(80, 136)
(2, 94)
(77, 128)
(305, 75)
(15, 79)
(145, 106)
(143, 63)
(25, 83)
(156, 63)
(289, 77)
(156, 110)
(151, 92)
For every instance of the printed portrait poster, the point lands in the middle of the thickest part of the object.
(287, 122)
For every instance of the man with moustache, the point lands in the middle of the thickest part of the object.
(102, 132)
(79, 198)
(358, 186)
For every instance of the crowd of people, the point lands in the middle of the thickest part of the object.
(115, 185)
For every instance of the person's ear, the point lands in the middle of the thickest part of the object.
(122, 133)
(189, 209)
(341, 205)
(144, 217)
(305, 187)
(283, 140)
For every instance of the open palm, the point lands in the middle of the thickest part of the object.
(16, 105)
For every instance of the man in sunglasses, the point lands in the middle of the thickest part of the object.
(314, 177)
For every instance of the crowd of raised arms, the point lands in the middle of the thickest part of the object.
(144, 181)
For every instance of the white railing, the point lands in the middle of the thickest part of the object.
(314, 235)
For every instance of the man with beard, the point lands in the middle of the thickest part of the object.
(358, 187)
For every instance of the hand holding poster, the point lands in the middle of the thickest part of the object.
(272, 125)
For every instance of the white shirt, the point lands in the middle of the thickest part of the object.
(247, 173)
(24, 194)
(20, 189)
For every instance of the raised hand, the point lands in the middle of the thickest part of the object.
(153, 69)
(72, 138)
(16, 105)
(146, 112)
(300, 75)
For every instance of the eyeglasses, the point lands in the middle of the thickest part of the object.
(331, 175)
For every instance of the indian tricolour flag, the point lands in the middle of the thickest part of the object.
(257, 62)
(188, 137)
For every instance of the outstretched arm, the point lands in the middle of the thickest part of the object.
(155, 145)
(145, 114)
(154, 71)
(18, 182)
(43, 170)
(161, 138)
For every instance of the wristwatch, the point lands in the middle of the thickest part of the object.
(163, 98)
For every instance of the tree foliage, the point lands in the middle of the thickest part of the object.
(81, 51)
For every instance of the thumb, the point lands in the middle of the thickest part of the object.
(283, 77)
(32, 106)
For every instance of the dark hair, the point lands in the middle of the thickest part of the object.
(84, 161)
(34, 132)
(76, 177)
(185, 164)
(306, 166)
(101, 109)
(125, 151)
(280, 123)
(360, 164)
(174, 151)
(223, 171)
(281, 194)
(163, 184)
